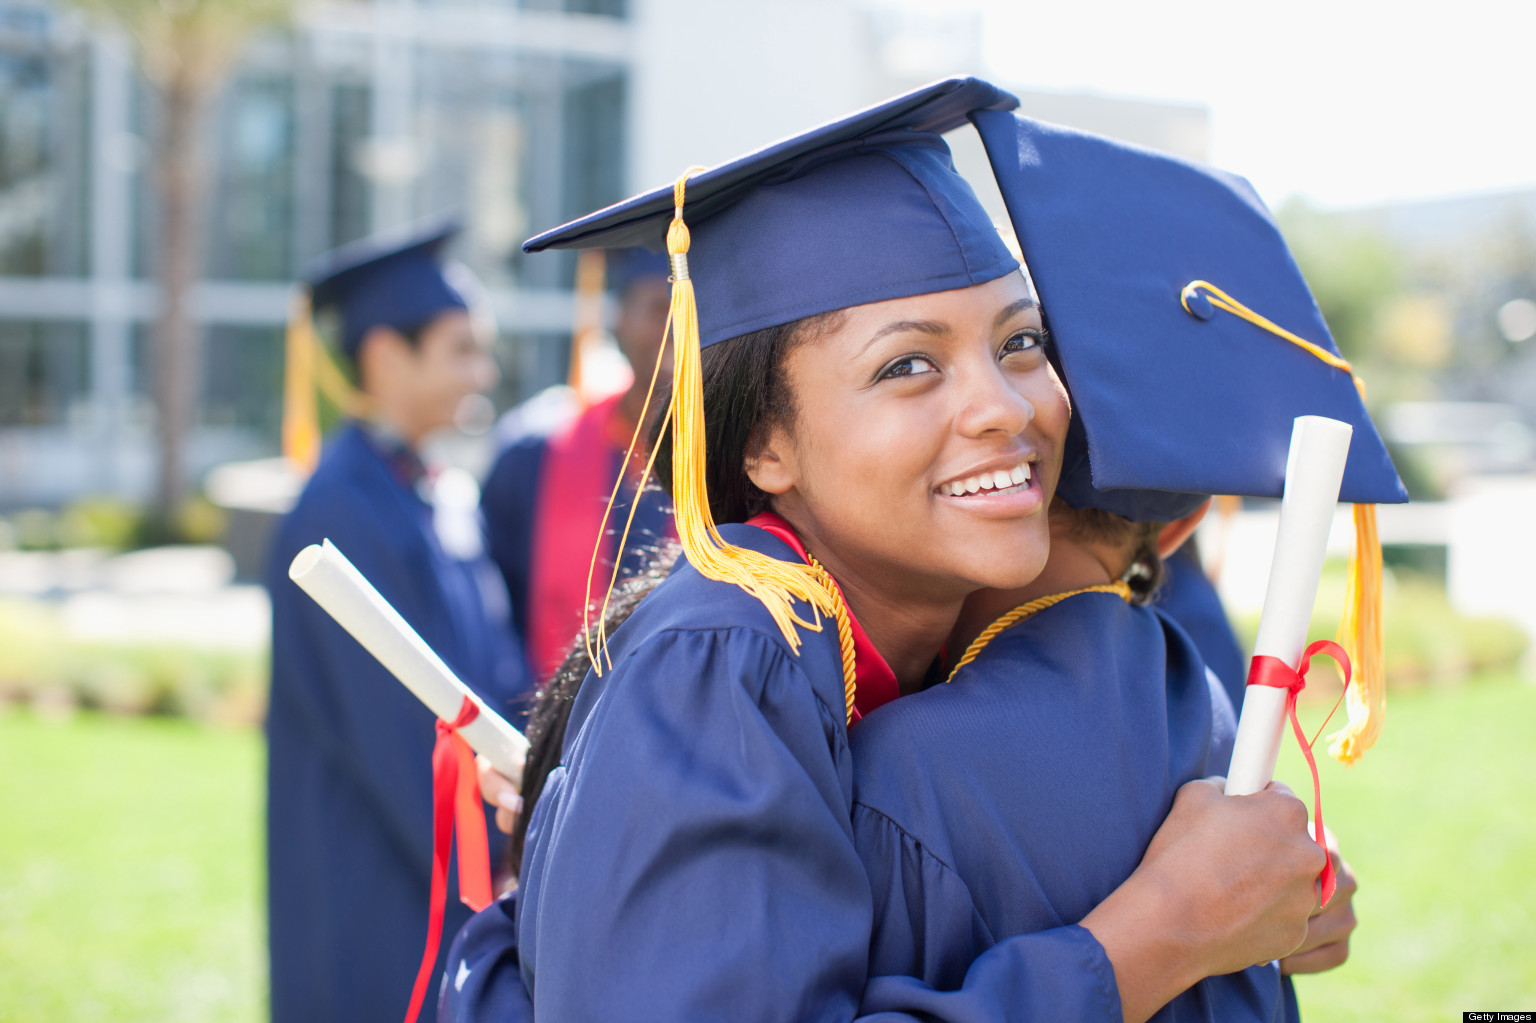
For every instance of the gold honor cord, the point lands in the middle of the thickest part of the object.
(777, 584)
(1029, 610)
(844, 636)
(1361, 629)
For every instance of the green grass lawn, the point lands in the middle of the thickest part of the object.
(1439, 823)
(130, 871)
(130, 865)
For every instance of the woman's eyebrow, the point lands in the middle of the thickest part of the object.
(932, 327)
(1013, 310)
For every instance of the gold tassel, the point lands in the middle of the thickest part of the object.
(307, 366)
(301, 407)
(1361, 634)
(777, 584)
(591, 266)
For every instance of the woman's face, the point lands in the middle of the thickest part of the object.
(926, 444)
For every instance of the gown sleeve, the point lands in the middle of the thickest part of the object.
(375, 731)
(933, 957)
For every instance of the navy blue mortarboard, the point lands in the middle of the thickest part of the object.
(1190, 343)
(1172, 404)
(862, 209)
(393, 280)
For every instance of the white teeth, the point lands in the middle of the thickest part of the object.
(1000, 479)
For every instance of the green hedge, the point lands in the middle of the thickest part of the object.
(42, 665)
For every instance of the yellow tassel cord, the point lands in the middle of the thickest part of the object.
(1361, 628)
(1029, 610)
(301, 406)
(777, 584)
(591, 267)
(308, 367)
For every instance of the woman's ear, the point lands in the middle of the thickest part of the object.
(1172, 536)
(771, 464)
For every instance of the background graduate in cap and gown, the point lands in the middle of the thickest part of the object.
(1081, 718)
(692, 855)
(349, 749)
(562, 452)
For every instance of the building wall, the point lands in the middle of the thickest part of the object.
(364, 116)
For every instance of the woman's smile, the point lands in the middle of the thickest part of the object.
(1008, 490)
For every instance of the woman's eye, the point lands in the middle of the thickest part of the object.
(1023, 341)
(908, 366)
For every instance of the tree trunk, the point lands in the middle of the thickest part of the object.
(181, 177)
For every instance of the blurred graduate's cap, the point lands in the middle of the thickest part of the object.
(862, 209)
(1185, 332)
(394, 279)
(627, 267)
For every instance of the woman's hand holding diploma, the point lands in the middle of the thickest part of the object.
(1225, 883)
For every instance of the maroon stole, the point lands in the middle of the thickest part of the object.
(574, 484)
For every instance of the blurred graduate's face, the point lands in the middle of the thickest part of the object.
(419, 387)
(926, 443)
(641, 325)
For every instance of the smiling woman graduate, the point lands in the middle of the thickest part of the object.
(864, 406)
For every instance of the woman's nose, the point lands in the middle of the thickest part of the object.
(991, 404)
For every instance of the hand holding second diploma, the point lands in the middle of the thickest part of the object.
(1227, 882)
(501, 792)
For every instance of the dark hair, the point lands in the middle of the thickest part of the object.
(746, 392)
(552, 705)
(1136, 539)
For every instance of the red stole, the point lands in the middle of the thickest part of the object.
(574, 484)
(874, 681)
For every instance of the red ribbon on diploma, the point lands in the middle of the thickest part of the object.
(455, 800)
(1275, 673)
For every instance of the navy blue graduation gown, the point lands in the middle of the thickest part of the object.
(510, 495)
(693, 857)
(349, 748)
(1189, 598)
(1015, 799)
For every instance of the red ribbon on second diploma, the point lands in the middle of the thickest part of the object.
(455, 800)
(1275, 673)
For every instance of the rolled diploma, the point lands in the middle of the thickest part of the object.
(325, 574)
(1314, 472)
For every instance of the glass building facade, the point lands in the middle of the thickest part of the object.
(361, 116)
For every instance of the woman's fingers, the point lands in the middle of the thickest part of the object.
(1329, 930)
(499, 790)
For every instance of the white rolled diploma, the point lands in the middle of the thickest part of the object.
(1314, 471)
(325, 574)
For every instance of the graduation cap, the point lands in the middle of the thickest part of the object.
(862, 209)
(394, 279)
(632, 265)
(1187, 337)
